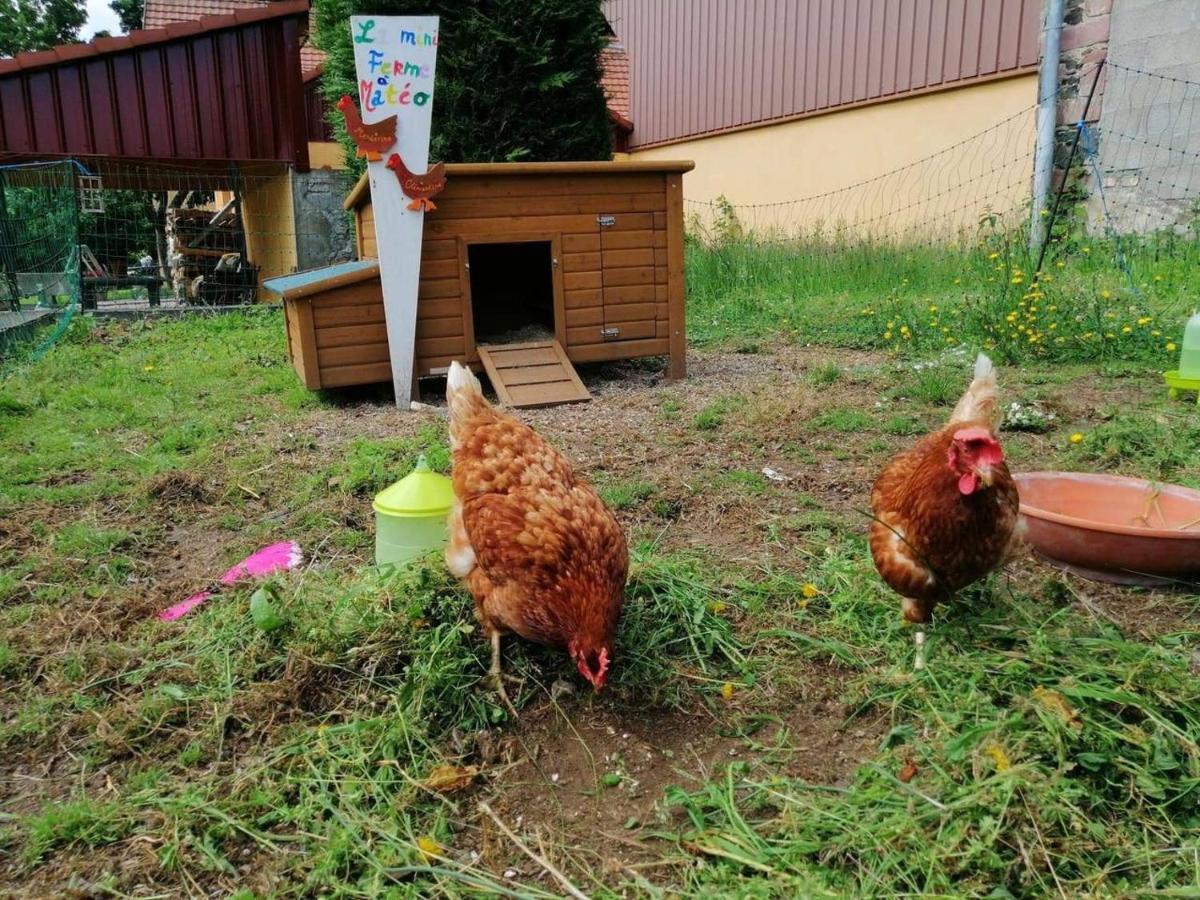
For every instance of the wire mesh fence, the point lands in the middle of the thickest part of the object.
(137, 238)
(936, 252)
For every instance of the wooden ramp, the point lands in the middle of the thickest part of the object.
(534, 374)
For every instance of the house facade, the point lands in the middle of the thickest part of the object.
(783, 99)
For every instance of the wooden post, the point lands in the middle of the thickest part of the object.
(394, 59)
(677, 366)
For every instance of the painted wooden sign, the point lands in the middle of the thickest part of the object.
(394, 60)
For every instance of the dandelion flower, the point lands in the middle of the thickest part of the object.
(1158, 278)
(999, 757)
(1077, 438)
(933, 309)
(1170, 346)
(1061, 264)
(887, 335)
(1053, 325)
(1155, 333)
(958, 281)
(1087, 249)
(430, 849)
(1127, 330)
(904, 329)
(810, 590)
(1106, 293)
(1017, 279)
(147, 368)
(1144, 320)
(727, 690)
(993, 255)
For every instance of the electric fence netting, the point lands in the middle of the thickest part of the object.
(936, 252)
(154, 238)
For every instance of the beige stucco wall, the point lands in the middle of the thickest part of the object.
(812, 160)
(326, 155)
(270, 224)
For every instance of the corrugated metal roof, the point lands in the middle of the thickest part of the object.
(210, 91)
(706, 66)
(159, 13)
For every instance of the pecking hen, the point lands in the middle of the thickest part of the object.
(945, 511)
(542, 555)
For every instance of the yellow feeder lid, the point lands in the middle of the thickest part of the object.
(420, 493)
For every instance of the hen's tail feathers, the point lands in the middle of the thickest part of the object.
(465, 396)
(978, 404)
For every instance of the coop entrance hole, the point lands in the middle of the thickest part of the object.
(512, 291)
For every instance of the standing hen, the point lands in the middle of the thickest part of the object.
(945, 511)
(541, 553)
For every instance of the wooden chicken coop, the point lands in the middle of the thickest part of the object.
(525, 269)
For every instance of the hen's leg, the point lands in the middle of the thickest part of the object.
(919, 614)
(496, 674)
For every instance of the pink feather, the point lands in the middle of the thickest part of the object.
(267, 561)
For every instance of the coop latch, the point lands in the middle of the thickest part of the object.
(606, 221)
(610, 334)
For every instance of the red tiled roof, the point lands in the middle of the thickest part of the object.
(614, 78)
(163, 12)
(101, 46)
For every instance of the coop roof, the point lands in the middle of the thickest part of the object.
(298, 285)
(361, 192)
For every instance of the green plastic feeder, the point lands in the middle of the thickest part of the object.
(1187, 376)
(410, 516)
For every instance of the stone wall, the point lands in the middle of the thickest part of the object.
(1085, 39)
(1149, 124)
(324, 230)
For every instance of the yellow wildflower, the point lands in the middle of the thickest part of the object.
(993, 255)
(1144, 320)
(1158, 278)
(810, 590)
(999, 757)
(716, 607)
(727, 690)
(430, 849)
(1127, 330)
(1017, 279)
(887, 335)
(1156, 333)
(1170, 346)
(958, 281)
(1077, 438)
(147, 368)
(1061, 264)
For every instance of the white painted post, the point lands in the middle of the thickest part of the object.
(394, 59)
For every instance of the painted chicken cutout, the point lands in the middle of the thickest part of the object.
(371, 140)
(419, 188)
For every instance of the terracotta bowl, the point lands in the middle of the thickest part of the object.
(1109, 528)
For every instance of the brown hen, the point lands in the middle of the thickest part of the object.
(542, 555)
(945, 511)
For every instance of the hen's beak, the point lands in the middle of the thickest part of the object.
(986, 475)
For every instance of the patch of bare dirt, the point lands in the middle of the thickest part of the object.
(588, 778)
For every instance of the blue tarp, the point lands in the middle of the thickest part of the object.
(284, 284)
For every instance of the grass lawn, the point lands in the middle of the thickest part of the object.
(765, 734)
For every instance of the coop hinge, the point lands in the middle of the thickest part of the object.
(606, 221)
(610, 334)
